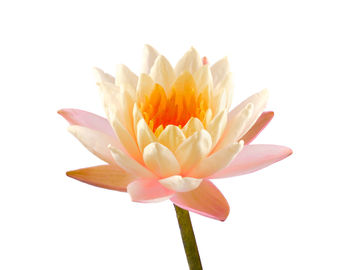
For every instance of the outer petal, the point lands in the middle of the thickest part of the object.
(163, 73)
(101, 76)
(193, 150)
(130, 165)
(105, 176)
(125, 76)
(259, 125)
(87, 119)
(219, 70)
(259, 100)
(203, 79)
(96, 142)
(191, 62)
(216, 161)
(253, 158)
(148, 191)
(160, 160)
(206, 200)
(235, 127)
(149, 56)
(181, 184)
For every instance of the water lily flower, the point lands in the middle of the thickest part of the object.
(170, 132)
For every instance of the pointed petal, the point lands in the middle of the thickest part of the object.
(193, 150)
(148, 191)
(193, 125)
(130, 165)
(104, 176)
(217, 126)
(163, 73)
(216, 161)
(234, 127)
(101, 76)
(160, 160)
(206, 200)
(259, 100)
(125, 76)
(191, 62)
(203, 79)
(149, 56)
(259, 125)
(226, 88)
(87, 119)
(144, 87)
(145, 135)
(180, 184)
(219, 70)
(253, 158)
(171, 137)
(96, 142)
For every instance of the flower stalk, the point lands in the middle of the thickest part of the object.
(188, 239)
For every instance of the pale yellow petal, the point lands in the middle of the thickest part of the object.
(163, 73)
(145, 135)
(137, 116)
(235, 126)
(219, 70)
(102, 76)
(192, 150)
(171, 137)
(208, 117)
(130, 165)
(203, 79)
(226, 86)
(160, 160)
(193, 125)
(180, 184)
(125, 76)
(217, 126)
(148, 58)
(144, 87)
(191, 62)
(217, 161)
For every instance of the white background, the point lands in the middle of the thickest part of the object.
(292, 215)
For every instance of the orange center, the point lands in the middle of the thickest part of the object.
(182, 103)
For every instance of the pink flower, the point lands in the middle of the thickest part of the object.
(169, 132)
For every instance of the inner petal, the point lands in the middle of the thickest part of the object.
(182, 103)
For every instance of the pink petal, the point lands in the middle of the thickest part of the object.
(87, 119)
(253, 158)
(206, 200)
(148, 191)
(105, 176)
(259, 125)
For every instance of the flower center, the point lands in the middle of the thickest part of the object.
(176, 108)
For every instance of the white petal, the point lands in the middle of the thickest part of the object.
(144, 87)
(235, 126)
(145, 135)
(172, 136)
(216, 161)
(203, 79)
(180, 184)
(226, 86)
(193, 125)
(137, 116)
(163, 73)
(101, 76)
(125, 76)
(217, 126)
(130, 165)
(160, 160)
(259, 100)
(193, 150)
(95, 141)
(110, 95)
(149, 56)
(219, 70)
(191, 62)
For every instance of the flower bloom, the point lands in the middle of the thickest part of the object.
(170, 130)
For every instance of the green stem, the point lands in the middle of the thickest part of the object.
(188, 239)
